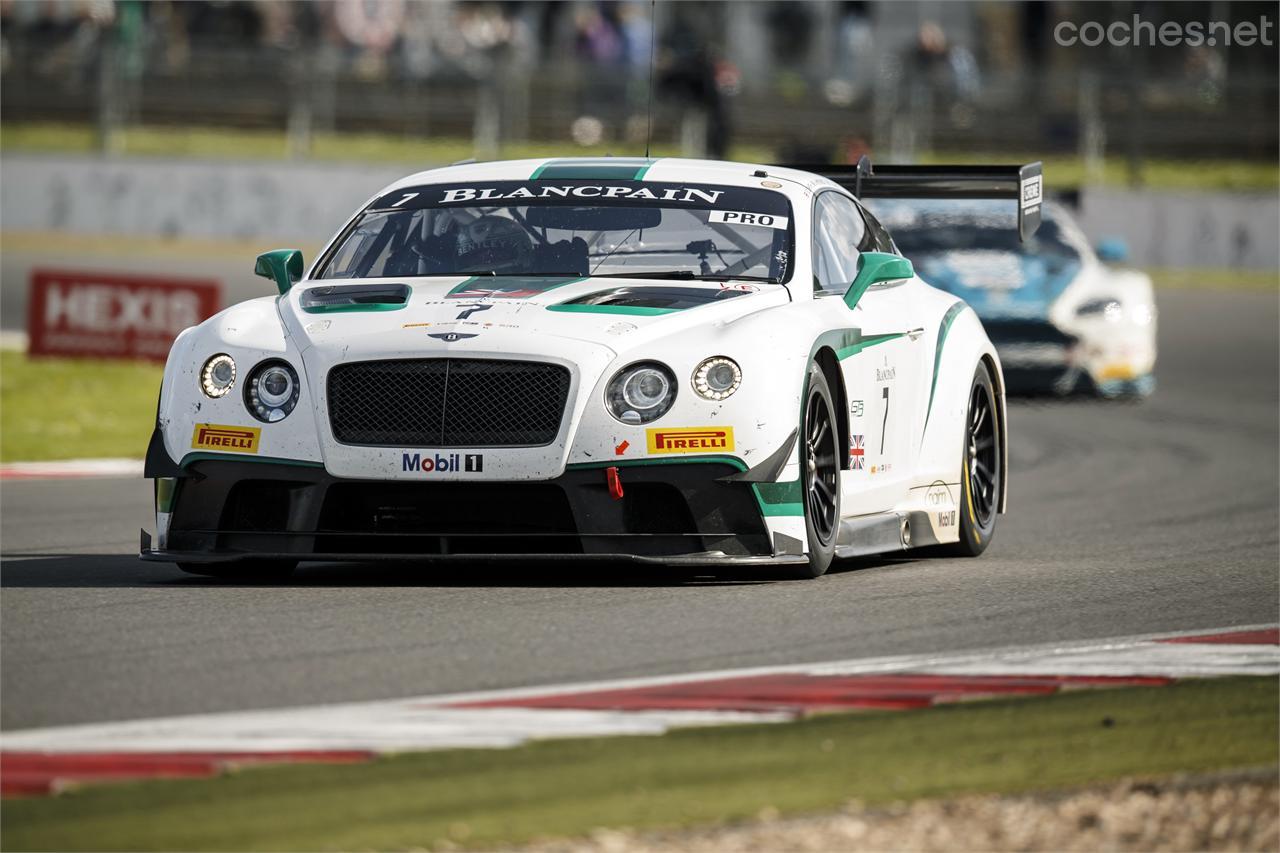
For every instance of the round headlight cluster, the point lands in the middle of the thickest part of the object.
(717, 378)
(272, 391)
(218, 375)
(641, 393)
(1108, 309)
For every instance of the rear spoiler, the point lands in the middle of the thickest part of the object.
(1023, 185)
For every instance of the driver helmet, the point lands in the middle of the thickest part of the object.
(494, 243)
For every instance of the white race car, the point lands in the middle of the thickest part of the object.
(1063, 318)
(671, 361)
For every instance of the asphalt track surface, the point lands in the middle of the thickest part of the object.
(1124, 519)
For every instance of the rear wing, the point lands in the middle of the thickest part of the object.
(1023, 185)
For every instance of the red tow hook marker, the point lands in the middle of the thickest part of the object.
(614, 481)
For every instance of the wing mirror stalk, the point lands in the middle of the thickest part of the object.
(283, 266)
(875, 268)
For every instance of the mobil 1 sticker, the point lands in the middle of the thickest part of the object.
(739, 217)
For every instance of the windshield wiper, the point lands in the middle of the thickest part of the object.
(687, 275)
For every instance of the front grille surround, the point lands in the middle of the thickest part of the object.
(1026, 331)
(447, 402)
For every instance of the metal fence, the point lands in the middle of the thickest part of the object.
(501, 94)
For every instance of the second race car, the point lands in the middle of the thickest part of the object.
(1062, 319)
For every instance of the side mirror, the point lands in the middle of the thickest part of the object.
(1113, 250)
(283, 266)
(876, 267)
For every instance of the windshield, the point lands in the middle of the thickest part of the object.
(923, 231)
(578, 228)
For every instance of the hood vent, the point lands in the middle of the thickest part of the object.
(669, 298)
(354, 297)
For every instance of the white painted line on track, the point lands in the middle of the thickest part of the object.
(858, 666)
(1182, 660)
(394, 726)
(434, 722)
(70, 469)
(14, 339)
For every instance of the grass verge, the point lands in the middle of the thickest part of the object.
(483, 798)
(64, 408)
(216, 143)
(1158, 174)
(219, 143)
(1216, 279)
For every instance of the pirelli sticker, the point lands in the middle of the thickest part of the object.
(226, 439)
(690, 440)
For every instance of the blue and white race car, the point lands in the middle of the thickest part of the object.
(1061, 318)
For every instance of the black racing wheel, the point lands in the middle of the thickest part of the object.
(981, 471)
(819, 475)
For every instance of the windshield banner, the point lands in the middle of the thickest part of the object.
(584, 193)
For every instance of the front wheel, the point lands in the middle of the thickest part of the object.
(981, 470)
(819, 475)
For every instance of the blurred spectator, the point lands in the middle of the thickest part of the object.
(687, 74)
(598, 39)
(637, 33)
(221, 23)
(947, 69)
(600, 46)
(1206, 69)
(855, 56)
(790, 27)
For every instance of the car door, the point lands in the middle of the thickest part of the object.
(881, 366)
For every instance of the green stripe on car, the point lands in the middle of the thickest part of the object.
(947, 319)
(506, 286)
(603, 168)
(628, 463)
(861, 343)
(634, 310)
(779, 498)
(354, 307)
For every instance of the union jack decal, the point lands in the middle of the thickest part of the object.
(856, 453)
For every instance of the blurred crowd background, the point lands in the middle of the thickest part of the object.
(823, 80)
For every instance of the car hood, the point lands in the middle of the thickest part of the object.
(542, 319)
(997, 284)
(463, 315)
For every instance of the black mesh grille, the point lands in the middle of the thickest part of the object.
(1025, 331)
(447, 402)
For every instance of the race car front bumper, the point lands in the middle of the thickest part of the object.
(680, 514)
(1036, 356)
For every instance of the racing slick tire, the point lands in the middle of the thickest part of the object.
(248, 570)
(819, 475)
(980, 473)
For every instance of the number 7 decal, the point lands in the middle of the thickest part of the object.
(885, 422)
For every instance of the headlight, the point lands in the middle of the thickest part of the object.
(1109, 309)
(272, 391)
(218, 375)
(717, 378)
(641, 393)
